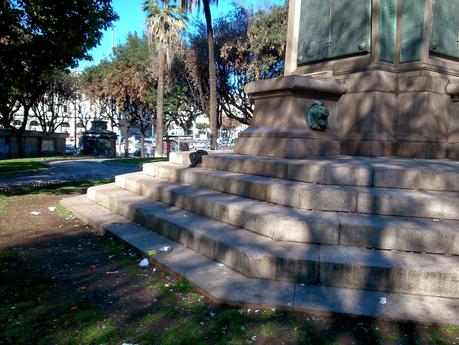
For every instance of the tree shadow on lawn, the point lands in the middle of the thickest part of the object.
(84, 288)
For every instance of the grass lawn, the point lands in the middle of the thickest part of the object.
(30, 192)
(65, 283)
(133, 161)
(27, 164)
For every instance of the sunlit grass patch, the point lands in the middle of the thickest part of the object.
(22, 164)
(62, 212)
(3, 203)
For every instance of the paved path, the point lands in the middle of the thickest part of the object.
(84, 168)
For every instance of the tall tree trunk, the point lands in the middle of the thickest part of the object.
(126, 141)
(142, 143)
(20, 132)
(160, 106)
(212, 77)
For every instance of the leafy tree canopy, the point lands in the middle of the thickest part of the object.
(38, 37)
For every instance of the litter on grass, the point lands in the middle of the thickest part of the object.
(35, 213)
(51, 208)
(144, 263)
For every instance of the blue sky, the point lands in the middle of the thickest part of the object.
(132, 18)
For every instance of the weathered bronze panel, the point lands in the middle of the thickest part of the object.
(445, 28)
(412, 30)
(333, 28)
(350, 27)
(314, 32)
(388, 29)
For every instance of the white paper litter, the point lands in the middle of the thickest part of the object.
(144, 263)
(382, 300)
(254, 338)
(165, 249)
(220, 265)
(51, 208)
(35, 213)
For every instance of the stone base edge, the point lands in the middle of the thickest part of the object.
(307, 147)
(225, 286)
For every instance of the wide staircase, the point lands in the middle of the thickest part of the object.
(365, 236)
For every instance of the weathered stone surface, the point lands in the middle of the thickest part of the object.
(274, 221)
(411, 203)
(399, 233)
(244, 251)
(312, 197)
(367, 116)
(383, 201)
(416, 176)
(258, 257)
(423, 274)
(247, 165)
(330, 171)
(441, 175)
(423, 117)
(360, 302)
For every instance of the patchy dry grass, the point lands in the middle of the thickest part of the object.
(77, 287)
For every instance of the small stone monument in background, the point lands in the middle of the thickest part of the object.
(385, 71)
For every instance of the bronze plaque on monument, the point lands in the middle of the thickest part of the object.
(412, 30)
(388, 29)
(445, 28)
(333, 28)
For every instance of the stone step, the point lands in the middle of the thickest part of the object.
(310, 196)
(289, 224)
(259, 257)
(274, 221)
(226, 286)
(439, 175)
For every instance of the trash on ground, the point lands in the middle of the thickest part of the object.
(144, 263)
(254, 338)
(51, 208)
(382, 300)
(111, 273)
(436, 220)
(165, 249)
(151, 252)
(220, 265)
(35, 213)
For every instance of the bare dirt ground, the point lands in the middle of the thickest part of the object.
(62, 282)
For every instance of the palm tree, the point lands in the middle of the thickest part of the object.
(165, 22)
(188, 5)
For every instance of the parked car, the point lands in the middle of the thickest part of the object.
(70, 149)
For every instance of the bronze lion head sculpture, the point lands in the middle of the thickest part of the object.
(317, 116)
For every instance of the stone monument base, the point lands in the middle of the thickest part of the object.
(373, 113)
(331, 234)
